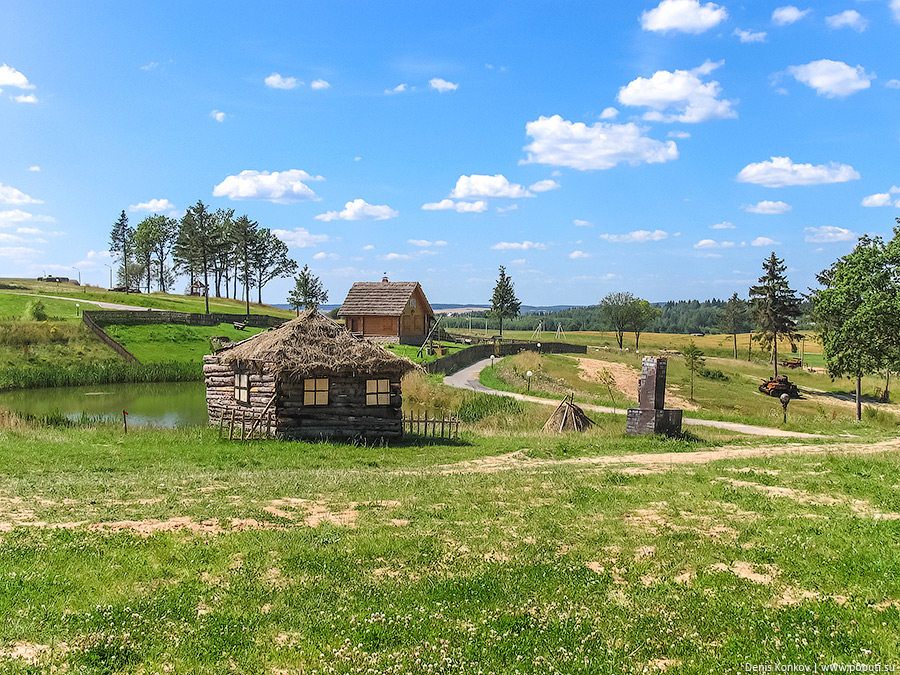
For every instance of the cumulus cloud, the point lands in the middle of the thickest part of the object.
(218, 115)
(784, 16)
(321, 255)
(10, 77)
(25, 98)
(748, 36)
(396, 256)
(849, 18)
(459, 207)
(684, 16)
(895, 9)
(442, 85)
(17, 252)
(781, 171)
(574, 255)
(828, 234)
(300, 237)
(602, 145)
(883, 198)
(518, 246)
(832, 79)
(12, 216)
(358, 209)
(480, 186)
(544, 186)
(34, 167)
(681, 92)
(725, 225)
(764, 241)
(279, 187)
(276, 81)
(10, 195)
(705, 244)
(636, 237)
(893, 84)
(424, 243)
(680, 135)
(768, 208)
(399, 89)
(153, 206)
(609, 113)
(320, 84)
(582, 223)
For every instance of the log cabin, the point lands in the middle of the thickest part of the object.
(307, 379)
(395, 311)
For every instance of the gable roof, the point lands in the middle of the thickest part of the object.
(312, 345)
(380, 298)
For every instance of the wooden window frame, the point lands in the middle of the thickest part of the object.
(378, 392)
(315, 391)
(242, 388)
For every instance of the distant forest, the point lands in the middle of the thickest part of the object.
(681, 316)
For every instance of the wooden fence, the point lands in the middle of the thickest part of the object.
(469, 355)
(423, 425)
(247, 424)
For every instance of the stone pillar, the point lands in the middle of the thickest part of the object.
(651, 417)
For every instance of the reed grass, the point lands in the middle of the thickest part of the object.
(105, 372)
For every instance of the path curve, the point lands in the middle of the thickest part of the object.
(101, 305)
(467, 378)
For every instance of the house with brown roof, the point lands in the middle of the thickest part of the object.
(391, 310)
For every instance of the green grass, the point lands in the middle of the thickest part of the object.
(412, 353)
(154, 343)
(547, 565)
(34, 376)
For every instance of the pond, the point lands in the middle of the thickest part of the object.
(154, 404)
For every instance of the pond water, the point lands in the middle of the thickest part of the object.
(153, 404)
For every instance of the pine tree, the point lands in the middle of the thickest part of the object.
(121, 241)
(504, 303)
(775, 308)
(307, 291)
(693, 361)
(733, 318)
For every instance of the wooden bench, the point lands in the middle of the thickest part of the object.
(239, 326)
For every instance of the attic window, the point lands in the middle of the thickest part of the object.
(412, 303)
(315, 391)
(378, 392)
(242, 387)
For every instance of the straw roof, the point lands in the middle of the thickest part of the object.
(314, 345)
(568, 417)
(380, 298)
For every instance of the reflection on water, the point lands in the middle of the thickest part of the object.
(154, 404)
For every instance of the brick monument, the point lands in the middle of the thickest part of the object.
(651, 417)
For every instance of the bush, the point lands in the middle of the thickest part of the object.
(35, 311)
(713, 374)
(476, 407)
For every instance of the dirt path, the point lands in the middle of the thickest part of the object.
(663, 461)
(627, 379)
(101, 305)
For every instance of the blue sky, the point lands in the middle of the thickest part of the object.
(664, 148)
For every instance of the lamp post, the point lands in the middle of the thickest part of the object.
(77, 309)
(785, 399)
(528, 374)
(492, 361)
(79, 274)
(110, 275)
(539, 347)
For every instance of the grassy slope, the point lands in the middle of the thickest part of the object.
(560, 569)
(173, 342)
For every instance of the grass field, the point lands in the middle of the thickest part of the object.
(174, 552)
(174, 342)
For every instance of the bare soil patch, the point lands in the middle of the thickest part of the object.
(627, 380)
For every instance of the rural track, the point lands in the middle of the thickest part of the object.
(467, 378)
(101, 305)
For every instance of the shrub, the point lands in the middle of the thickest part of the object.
(713, 374)
(35, 311)
(477, 406)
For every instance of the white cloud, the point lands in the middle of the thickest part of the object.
(481, 186)
(218, 115)
(300, 237)
(4, 237)
(712, 243)
(636, 237)
(25, 98)
(602, 145)
(680, 135)
(518, 246)
(424, 243)
(883, 198)
(17, 252)
(7, 218)
(784, 16)
(685, 16)
(828, 234)
(748, 37)
(320, 84)
(849, 18)
(442, 85)
(579, 254)
(582, 223)
(682, 92)
(153, 206)
(459, 207)
(10, 195)
(893, 84)
(609, 113)
(832, 79)
(396, 256)
(781, 171)
(279, 187)
(368, 247)
(276, 81)
(725, 225)
(150, 66)
(509, 207)
(764, 241)
(34, 168)
(895, 9)
(321, 255)
(768, 208)
(358, 209)
(399, 89)
(518, 261)
(544, 186)
(10, 77)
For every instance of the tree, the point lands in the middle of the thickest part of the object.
(857, 311)
(121, 241)
(617, 310)
(193, 247)
(153, 241)
(733, 318)
(243, 237)
(693, 361)
(642, 315)
(269, 259)
(775, 308)
(307, 291)
(504, 303)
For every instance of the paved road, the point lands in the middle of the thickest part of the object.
(101, 305)
(467, 378)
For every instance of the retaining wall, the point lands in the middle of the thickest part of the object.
(139, 317)
(88, 321)
(468, 356)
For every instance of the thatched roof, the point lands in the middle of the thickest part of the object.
(568, 417)
(312, 345)
(381, 298)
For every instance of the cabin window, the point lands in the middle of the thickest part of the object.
(378, 392)
(412, 303)
(315, 391)
(242, 387)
